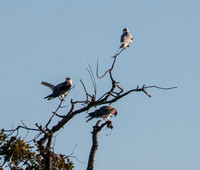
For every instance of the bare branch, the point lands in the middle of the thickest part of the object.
(102, 100)
(96, 129)
(162, 88)
(41, 129)
(36, 136)
(20, 127)
(87, 94)
(72, 156)
(93, 79)
(54, 113)
(108, 71)
(118, 53)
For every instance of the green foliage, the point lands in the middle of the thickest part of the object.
(59, 161)
(16, 153)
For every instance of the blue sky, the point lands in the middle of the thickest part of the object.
(51, 40)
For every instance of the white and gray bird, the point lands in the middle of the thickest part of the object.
(126, 38)
(104, 112)
(61, 89)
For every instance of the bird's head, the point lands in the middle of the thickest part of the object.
(69, 80)
(125, 30)
(112, 110)
(115, 112)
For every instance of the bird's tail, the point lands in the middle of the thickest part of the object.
(89, 119)
(122, 45)
(49, 97)
(51, 86)
(90, 116)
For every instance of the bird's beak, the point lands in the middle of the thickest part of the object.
(115, 113)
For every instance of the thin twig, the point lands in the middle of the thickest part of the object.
(118, 53)
(86, 93)
(54, 113)
(162, 88)
(93, 79)
(19, 127)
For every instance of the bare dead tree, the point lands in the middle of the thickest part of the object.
(112, 95)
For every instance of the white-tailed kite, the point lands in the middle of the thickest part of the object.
(105, 112)
(59, 90)
(126, 38)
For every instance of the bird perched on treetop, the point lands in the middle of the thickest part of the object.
(61, 89)
(105, 112)
(126, 38)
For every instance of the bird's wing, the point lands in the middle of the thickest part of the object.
(51, 86)
(124, 37)
(105, 110)
(97, 113)
(63, 88)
